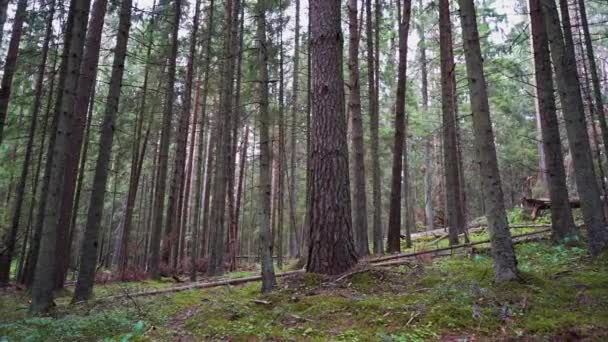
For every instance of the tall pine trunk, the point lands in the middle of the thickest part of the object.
(331, 249)
(394, 218)
(561, 215)
(502, 247)
(268, 277)
(372, 95)
(358, 152)
(45, 269)
(163, 161)
(564, 62)
(88, 254)
(454, 205)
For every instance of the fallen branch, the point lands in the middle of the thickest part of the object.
(200, 285)
(380, 261)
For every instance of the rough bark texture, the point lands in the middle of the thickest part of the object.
(505, 265)
(373, 126)
(358, 151)
(163, 161)
(562, 222)
(331, 249)
(86, 82)
(394, 218)
(44, 275)
(88, 254)
(564, 62)
(223, 150)
(10, 65)
(268, 276)
(454, 205)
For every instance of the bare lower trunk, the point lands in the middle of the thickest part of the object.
(331, 249)
(564, 62)
(502, 247)
(268, 276)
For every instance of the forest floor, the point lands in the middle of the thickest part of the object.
(563, 294)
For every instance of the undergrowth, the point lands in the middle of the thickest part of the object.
(562, 294)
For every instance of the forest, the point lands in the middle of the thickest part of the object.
(303, 170)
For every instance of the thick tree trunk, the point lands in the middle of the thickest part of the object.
(564, 62)
(394, 218)
(331, 249)
(502, 247)
(268, 276)
(562, 222)
(88, 254)
(163, 161)
(358, 155)
(46, 265)
(86, 81)
(454, 206)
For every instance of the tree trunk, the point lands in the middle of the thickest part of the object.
(10, 65)
(201, 142)
(331, 249)
(374, 123)
(502, 247)
(223, 150)
(88, 255)
(564, 62)
(268, 276)
(597, 89)
(454, 206)
(358, 155)
(86, 81)
(562, 222)
(163, 161)
(294, 248)
(46, 265)
(8, 248)
(394, 219)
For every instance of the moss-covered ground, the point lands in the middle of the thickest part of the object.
(563, 294)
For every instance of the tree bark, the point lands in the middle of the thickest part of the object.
(564, 62)
(88, 255)
(331, 249)
(597, 89)
(268, 276)
(394, 218)
(562, 222)
(454, 206)
(502, 248)
(10, 65)
(86, 81)
(8, 248)
(294, 245)
(163, 161)
(223, 150)
(374, 124)
(201, 142)
(45, 269)
(359, 213)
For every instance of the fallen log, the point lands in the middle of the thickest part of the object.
(450, 248)
(199, 285)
